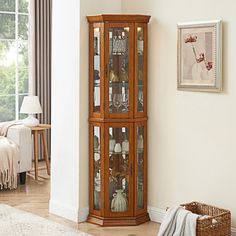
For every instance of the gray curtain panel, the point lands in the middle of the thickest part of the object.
(42, 54)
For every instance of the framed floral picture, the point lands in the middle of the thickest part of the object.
(199, 56)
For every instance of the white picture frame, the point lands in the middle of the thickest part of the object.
(200, 56)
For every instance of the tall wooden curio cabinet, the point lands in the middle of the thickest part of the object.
(118, 119)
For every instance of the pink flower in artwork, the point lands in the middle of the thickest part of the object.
(191, 39)
(209, 65)
(201, 58)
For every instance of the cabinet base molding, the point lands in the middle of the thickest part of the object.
(118, 221)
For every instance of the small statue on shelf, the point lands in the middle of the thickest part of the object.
(113, 76)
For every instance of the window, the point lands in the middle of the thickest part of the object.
(14, 62)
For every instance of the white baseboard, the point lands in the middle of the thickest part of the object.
(157, 215)
(63, 210)
(68, 212)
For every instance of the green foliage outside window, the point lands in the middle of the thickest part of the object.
(9, 69)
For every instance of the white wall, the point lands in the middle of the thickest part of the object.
(192, 135)
(69, 191)
(65, 109)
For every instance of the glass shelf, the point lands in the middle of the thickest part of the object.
(119, 153)
(118, 55)
(119, 84)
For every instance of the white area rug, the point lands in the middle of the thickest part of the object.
(14, 222)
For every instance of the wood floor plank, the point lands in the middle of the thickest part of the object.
(34, 197)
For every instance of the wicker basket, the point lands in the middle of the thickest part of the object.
(218, 224)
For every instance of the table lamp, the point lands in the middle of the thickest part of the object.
(31, 106)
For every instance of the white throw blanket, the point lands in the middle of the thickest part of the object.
(178, 222)
(9, 156)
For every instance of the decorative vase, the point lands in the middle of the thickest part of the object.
(119, 202)
(113, 76)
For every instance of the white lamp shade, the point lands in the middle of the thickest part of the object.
(31, 105)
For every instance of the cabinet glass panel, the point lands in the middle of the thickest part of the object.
(97, 168)
(119, 70)
(140, 162)
(119, 168)
(97, 70)
(140, 67)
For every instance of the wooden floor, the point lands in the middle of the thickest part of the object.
(34, 197)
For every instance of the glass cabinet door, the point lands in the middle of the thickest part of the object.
(120, 70)
(140, 159)
(96, 70)
(97, 168)
(140, 86)
(96, 161)
(140, 163)
(120, 169)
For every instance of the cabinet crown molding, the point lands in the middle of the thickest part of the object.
(119, 18)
